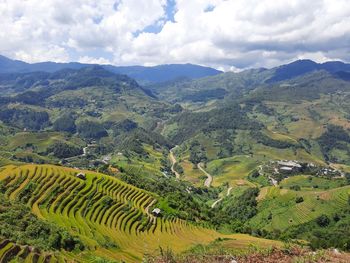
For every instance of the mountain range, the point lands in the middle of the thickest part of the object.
(142, 74)
(173, 72)
(112, 163)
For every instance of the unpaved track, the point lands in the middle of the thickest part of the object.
(209, 179)
(219, 200)
(229, 191)
(215, 203)
(173, 162)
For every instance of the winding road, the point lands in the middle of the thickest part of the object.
(219, 200)
(209, 179)
(173, 162)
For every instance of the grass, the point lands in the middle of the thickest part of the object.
(191, 174)
(150, 164)
(286, 212)
(229, 169)
(313, 183)
(80, 207)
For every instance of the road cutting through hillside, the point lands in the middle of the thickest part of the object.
(173, 162)
(209, 179)
(219, 200)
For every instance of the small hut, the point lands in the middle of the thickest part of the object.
(81, 176)
(156, 211)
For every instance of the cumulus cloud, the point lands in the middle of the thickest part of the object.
(220, 33)
(93, 60)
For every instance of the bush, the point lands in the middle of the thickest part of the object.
(295, 188)
(17, 223)
(323, 221)
(299, 199)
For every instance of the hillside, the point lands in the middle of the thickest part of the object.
(263, 153)
(112, 219)
(142, 74)
(232, 85)
(44, 112)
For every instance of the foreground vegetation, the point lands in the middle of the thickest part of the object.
(112, 219)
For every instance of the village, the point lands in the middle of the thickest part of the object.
(279, 170)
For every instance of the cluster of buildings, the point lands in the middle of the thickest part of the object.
(288, 167)
(277, 170)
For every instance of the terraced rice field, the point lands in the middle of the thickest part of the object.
(11, 252)
(286, 212)
(111, 217)
(309, 183)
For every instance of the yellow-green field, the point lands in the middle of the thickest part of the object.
(313, 183)
(231, 169)
(10, 250)
(192, 174)
(149, 164)
(80, 206)
(286, 212)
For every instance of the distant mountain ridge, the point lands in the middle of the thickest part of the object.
(301, 67)
(144, 75)
(235, 84)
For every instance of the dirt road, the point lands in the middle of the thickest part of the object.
(209, 179)
(219, 200)
(173, 162)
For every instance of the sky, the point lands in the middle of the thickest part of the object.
(225, 34)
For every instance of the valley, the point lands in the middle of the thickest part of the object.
(129, 170)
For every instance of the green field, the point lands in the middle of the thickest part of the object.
(313, 183)
(286, 212)
(230, 169)
(102, 210)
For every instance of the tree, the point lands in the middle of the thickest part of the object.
(64, 150)
(299, 199)
(323, 221)
(295, 187)
(91, 130)
(65, 123)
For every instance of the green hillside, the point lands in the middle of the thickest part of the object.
(112, 219)
(235, 159)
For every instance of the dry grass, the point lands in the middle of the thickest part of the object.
(274, 255)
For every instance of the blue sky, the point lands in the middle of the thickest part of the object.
(156, 27)
(225, 34)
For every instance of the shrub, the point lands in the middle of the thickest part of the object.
(17, 223)
(295, 187)
(299, 199)
(323, 221)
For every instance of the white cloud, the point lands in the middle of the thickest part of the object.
(220, 33)
(92, 60)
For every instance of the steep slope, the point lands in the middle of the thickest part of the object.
(72, 108)
(11, 252)
(228, 84)
(232, 85)
(113, 219)
(302, 67)
(305, 118)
